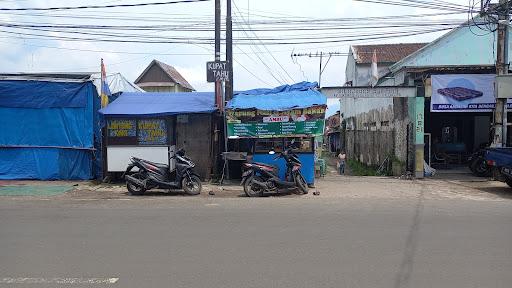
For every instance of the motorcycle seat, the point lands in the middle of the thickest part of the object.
(159, 165)
(265, 164)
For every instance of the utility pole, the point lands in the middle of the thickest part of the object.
(229, 51)
(500, 111)
(218, 87)
(218, 96)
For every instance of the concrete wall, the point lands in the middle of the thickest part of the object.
(376, 128)
(360, 74)
(460, 46)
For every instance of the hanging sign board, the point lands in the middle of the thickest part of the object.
(369, 92)
(463, 93)
(217, 71)
(263, 123)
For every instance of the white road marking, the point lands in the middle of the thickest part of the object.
(212, 204)
(28, 280)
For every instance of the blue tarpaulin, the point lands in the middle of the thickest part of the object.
(160, 104)
(47, 129)
(42, 94)
(286, 97)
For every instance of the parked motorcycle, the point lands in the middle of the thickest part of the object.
(260, 178)
(152, 175)
(478, 165)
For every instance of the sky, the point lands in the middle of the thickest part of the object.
(23, 53)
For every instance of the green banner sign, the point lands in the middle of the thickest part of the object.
(262, 123)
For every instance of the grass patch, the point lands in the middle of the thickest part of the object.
(34, 190)
(359, 169)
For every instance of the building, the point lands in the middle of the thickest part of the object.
(435, 105)
(261, 120)
(50, 125)
(455, 74)
(359, 60)
(333, 134)
(155, 130)
(161, 77)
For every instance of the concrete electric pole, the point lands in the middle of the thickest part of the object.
(500, 112)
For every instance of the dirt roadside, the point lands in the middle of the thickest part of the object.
(331, 186)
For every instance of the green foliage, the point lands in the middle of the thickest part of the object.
(359, 169)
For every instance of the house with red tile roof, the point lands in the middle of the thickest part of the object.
(358, 67)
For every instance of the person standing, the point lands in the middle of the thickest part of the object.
(341, 162)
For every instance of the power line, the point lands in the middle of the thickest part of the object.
(278, 63)
(101, 6)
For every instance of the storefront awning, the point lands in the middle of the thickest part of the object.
(297, 96)
(160, 104)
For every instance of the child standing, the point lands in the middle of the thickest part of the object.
(341, 162)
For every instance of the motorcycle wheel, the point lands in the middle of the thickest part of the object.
(480, 168)
(192, 185)
(252, 190)
(133, 188)
(302, 186)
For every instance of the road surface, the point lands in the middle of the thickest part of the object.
(413, 241)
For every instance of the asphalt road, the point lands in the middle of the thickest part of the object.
(267, 242)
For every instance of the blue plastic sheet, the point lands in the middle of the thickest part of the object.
(307, 160)
(43, 94)
(286, 97)
(160, 104)
(45, 163)
(48, 139)
(63, 126)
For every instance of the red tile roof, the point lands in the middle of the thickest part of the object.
(389, 53)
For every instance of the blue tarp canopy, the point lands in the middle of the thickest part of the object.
(286, 97)
(47, 129)
(160, 104)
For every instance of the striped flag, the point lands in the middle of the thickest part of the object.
(105, 90)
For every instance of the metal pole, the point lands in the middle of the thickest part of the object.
(500, 112)
(218, 98)
(229, 51)
(320, 71)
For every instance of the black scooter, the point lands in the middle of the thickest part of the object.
(155, 175)
(260, 178)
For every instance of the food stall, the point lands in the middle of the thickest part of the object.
(261, 120)
(151, 126)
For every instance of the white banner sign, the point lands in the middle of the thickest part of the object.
(463, 93)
